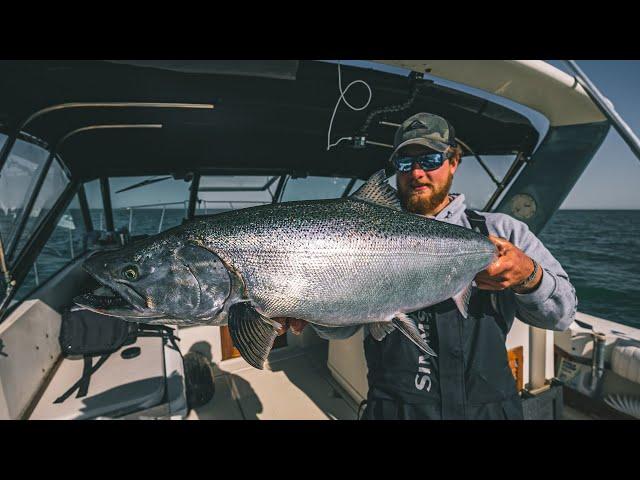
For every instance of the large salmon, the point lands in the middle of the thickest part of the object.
(350, 261)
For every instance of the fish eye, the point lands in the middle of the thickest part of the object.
(131, 272)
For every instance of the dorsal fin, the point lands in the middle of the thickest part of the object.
(377, 190)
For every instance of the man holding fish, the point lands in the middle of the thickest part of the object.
(400, 264)
(470, 377)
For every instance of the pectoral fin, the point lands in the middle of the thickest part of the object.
(409, 329)
(252, 334)
(461, 299)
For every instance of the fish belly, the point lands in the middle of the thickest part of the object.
(341, 289)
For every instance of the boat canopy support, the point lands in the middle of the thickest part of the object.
(193, 195)
(606, 107)
(106, 203)
(84, 208)
(282, 183)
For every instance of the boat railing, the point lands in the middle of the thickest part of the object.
(164, 205)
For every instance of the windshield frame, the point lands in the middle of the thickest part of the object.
(15, 260)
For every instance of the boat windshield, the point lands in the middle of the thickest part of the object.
(478, 185)
(146, 209)
(318, 188)
(66, 242)
(219, 193)
(18, 179)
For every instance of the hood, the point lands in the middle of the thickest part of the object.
(454, 211)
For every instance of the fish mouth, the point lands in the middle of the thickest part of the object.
(121, 300)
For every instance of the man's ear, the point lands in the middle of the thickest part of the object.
(455, 163)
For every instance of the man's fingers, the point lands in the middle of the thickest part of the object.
(501, 265)
(297, 325)
(489, 285)
(497, 279)
(284, 324)
(502, 243)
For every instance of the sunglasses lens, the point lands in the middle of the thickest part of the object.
(430, 161)
(403, 164)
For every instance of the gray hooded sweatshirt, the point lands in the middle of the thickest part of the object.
(551, 306)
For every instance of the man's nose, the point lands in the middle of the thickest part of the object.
(416, 170)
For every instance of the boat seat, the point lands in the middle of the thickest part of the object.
(119, 387)
(625, 361)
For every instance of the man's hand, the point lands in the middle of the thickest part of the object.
(295, 324)
(510, 269)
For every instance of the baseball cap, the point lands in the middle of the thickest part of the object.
(425, 129)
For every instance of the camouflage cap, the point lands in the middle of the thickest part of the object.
(425, 129)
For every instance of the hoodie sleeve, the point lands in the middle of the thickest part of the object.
(553, 304)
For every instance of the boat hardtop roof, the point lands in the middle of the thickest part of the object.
(269, 117)
(533, 83)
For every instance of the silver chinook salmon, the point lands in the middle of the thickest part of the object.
(350, 261)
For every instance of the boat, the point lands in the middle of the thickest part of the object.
(83, 141)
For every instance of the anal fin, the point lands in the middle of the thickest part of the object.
(252, 334)
(409, 329)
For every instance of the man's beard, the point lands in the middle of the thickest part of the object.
(420, 203)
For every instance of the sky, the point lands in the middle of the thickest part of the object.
(610, 181)
(612, 178)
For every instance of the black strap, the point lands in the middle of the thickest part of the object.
(479, 224)
(167, 333)
(477, 221)
(83, 388)
(82, 385)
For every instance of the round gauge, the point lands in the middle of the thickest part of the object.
(523, 206)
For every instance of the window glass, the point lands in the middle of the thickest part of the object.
(316, 188)
(54, 184)
(211, 200)
(17, 180)
(67, 241)
(474, 182)
(148, 209)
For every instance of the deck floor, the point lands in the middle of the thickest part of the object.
(295, 385)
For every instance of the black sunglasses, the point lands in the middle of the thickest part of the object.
(427, 161)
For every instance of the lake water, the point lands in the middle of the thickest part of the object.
(600, 250)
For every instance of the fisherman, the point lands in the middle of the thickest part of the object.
(470, 378)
